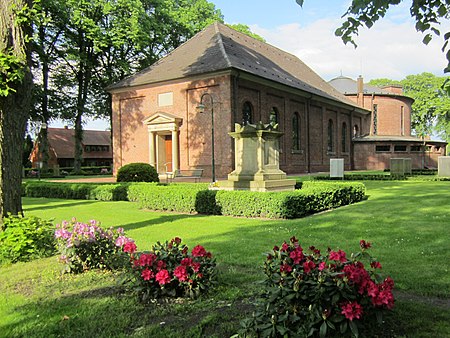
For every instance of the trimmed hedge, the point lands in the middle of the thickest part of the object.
(361, 177)
(190, 198)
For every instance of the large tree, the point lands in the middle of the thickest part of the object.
(15, 99)
(428, 15)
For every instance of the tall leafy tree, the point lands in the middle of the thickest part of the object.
(15, 98)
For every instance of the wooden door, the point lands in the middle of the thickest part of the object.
(168, 148)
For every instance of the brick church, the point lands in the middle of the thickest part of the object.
(242, 80)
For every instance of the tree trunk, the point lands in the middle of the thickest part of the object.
(14, 106)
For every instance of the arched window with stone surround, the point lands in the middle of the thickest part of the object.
(247, 113)
(274, 116)
(344, 137)
(296, 131)
(330, 143)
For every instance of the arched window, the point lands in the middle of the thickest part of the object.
(330, 147)
(295, 132)
(247, 113)
(355, 131)
(273, 116)
(344, 137)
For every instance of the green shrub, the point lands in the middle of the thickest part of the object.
(137, 172)
(166, 197)
(25, 238)
(88, 246)
(170, 270)
(309, 293)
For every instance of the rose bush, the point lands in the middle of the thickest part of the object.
(313, 294)
(88, 246)
(169, 269)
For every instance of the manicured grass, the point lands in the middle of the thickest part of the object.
(407, 222)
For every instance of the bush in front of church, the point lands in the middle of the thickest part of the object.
(137, 172)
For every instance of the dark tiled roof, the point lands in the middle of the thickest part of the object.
(347, 85)
(219, 47)
(62, 141)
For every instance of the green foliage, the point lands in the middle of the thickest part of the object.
(11, 71)
(246, 30)
(102, 192)
(84, 247)
(170, 270)
(137, 172)
(25, 238)
(360, 177)
(313, 294)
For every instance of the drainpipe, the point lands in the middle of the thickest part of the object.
(308, 148)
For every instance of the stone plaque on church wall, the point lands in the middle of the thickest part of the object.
(444, 166)
(337, 167)
(400, 166)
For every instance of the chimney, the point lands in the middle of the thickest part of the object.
(360, 91)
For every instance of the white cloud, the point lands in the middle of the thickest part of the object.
(387, 50)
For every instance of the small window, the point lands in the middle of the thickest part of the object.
(355, 130)
(427, 148)
(330, 143)
(383, 148)
(399, 148)
(87, 149)
(247, 113)
(273, 116)
(105, 148)
(416, 148)
(437, 149)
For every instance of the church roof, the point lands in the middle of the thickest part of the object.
(219, 48)
(347, 85)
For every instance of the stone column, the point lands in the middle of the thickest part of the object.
(175, 165)
(152, 150)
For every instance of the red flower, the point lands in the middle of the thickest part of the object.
(375, 265)
(146, 259)
(352, 310)
(198, 251)
(364, 245)
(147, 274)
(338, 256)
(285, 268)
(177, 240)
(181, 273)
(186, 261)
(129, 247)
(322, 266)
(163, 277)
(195, 266)
(200, 276)
(275, 248)
(308, 266)
(160, 265)
(284, 247)
(297, 255)
(294, 241)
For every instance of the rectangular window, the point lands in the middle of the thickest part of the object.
(399, 148)
(375, 119)
(402, 121)
(383, 148)
(416, 148)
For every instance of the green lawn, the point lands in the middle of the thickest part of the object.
(407, 222)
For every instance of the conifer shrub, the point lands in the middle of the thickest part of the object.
(137, 172)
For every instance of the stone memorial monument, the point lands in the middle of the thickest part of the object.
(401, 166)
(257, 160)
(337, 167)
(444, 166)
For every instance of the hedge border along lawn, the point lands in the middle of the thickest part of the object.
(313, 197)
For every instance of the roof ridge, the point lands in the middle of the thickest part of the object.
(221, 46)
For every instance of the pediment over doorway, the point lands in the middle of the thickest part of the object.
(162, 121)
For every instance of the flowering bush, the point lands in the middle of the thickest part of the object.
(89, 246)
(169, 269)
(314, 294)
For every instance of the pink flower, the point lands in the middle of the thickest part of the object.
(338, 256)
(322, 266)
(297, 255)
(181, 273)
(352, 310)
(129, 247)
(186, 261)
(195, 266)
(177, 240)
(284, 247)
(163, 277)
(147, 259)
(308, 266)
(160, 265)
(198, 251)
(285, 268)
(147, 274)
